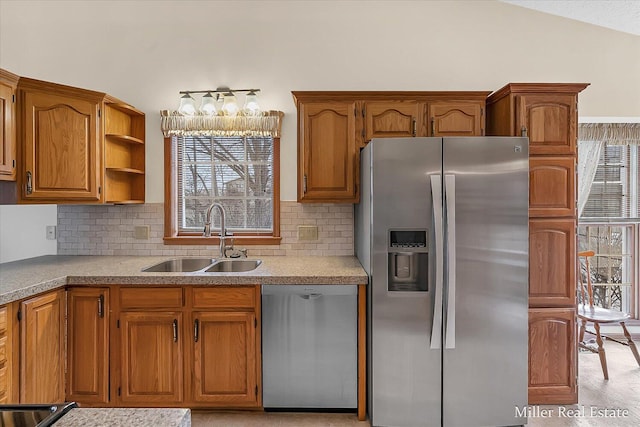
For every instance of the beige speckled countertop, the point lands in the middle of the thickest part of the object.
(22, 279)
(133, 417)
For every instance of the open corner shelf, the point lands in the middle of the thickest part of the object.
(124, 154)
(125, 138)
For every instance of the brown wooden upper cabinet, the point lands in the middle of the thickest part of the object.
(392, 119)
(456, 118)
(327, 153)
(548, 112)
(8, 144)
(78, 146)
(61, 150)
(333, 126)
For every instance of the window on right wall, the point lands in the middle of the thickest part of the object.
(609, 222)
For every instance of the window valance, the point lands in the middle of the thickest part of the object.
(268, 123)
(611, 133)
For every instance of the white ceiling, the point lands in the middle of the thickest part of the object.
(621, 15)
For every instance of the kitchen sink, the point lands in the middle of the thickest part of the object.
(234, 266)
(183, 265)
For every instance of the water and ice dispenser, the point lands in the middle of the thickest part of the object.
(408, 265)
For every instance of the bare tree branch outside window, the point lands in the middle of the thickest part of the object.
(234, 171)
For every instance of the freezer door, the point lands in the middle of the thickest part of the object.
(405, 371)
(485, 306)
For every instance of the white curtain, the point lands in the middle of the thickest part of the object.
(591, 140)
(588, 155)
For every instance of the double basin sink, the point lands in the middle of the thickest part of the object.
(204, 265)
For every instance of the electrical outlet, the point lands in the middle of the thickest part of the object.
(307, 232)
(141, 232)
(51, 232)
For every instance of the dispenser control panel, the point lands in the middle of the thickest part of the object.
(408, 264)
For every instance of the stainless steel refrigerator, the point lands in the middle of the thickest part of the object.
(442, 231)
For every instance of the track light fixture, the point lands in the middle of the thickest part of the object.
(209, 104)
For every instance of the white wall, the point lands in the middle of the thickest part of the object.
(23, 231)
(146, 51)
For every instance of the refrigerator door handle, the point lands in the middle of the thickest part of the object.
(436, 325)
(450, 203)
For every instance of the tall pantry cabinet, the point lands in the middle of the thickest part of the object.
(548, 115)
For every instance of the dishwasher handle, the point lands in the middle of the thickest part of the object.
(310, 296)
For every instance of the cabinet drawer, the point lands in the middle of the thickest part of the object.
(233, 297)
(133, 298)
(3, 319)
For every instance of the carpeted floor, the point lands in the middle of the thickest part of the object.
(621, 391)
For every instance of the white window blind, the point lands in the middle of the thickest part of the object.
(235, 171)
(613, 193)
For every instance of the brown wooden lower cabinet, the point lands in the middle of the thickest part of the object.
(150, 358)
(8, 356)
(224, 358)
(552, 356)
(42, 353)
(188, 346)
(88, 345)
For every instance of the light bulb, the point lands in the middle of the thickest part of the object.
(187, 105)
(230, 105)
(208, 105)
(251, 106)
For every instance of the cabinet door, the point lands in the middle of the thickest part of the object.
(552, 356)
(61, 148)
(88, 345)
(552, 262)
(456, 118)
(42, 353)
(8, 357)
(392, 119)
(151, 357)
(225, 362)
(7, 131)
(552, 186)
(328, 164)
(551, 122)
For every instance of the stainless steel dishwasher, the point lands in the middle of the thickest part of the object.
(309, 346)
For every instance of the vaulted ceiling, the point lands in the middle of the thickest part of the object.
(621, 15)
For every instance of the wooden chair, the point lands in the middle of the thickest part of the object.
(597, 315)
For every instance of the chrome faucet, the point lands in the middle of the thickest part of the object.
(223, 228)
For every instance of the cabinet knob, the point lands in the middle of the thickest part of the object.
(196, 330)
(175, 330)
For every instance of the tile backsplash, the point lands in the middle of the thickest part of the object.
(109, 230)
